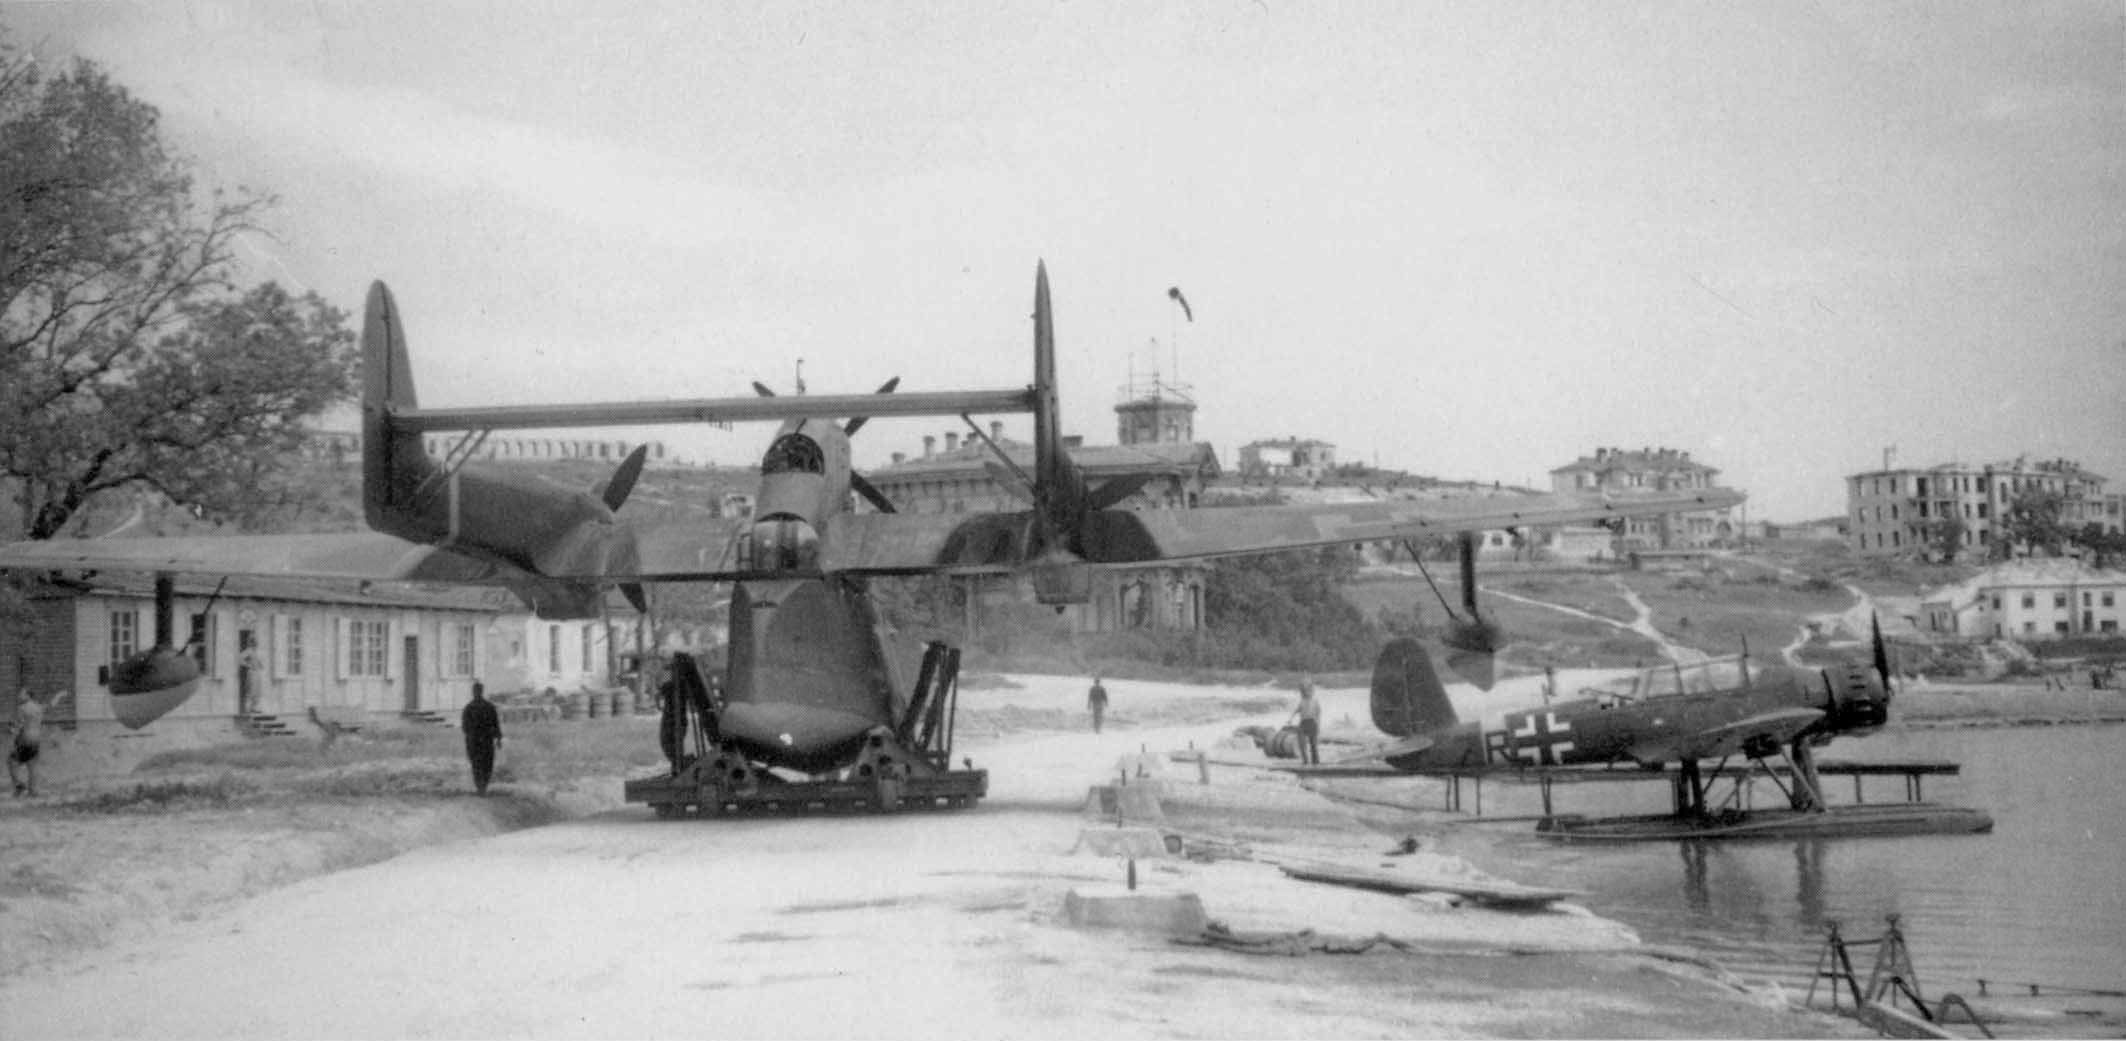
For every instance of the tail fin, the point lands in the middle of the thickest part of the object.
(1408, 697)
(394, 461)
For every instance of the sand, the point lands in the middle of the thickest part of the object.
(366, 916)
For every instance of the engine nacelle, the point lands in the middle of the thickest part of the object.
(1859, 701)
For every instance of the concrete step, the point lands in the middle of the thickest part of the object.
(259, 724)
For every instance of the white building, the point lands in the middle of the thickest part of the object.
(2031, 599)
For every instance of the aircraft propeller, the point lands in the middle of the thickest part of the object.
(614, 493)
(1881, 652)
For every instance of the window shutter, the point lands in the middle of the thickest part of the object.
(394, 645)
(276, 649)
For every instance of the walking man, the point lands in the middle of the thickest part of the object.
(1309, 716)
(1096, 703)
(28, 727)
(483, 734)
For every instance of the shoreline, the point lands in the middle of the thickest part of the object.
(169, 868)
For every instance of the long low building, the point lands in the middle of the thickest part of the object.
(289, 649)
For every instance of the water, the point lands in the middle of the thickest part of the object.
(2040, 899)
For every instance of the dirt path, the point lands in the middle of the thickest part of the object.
(1642, 621)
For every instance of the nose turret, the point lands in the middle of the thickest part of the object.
(781, 542)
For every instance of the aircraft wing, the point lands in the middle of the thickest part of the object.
(348, 555)
(984, 542)
(1131, 537)
(1779, 725)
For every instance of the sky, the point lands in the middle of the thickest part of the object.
(1470, 240)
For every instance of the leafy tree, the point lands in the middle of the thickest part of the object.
(2034, 519)
(128, 356)
(1288, 611)
(2103, 546)
(1945, 536)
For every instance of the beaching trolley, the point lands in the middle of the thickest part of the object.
(906, 766)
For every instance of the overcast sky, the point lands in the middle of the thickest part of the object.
(1476, 240)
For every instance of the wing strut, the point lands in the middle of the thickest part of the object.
(996, 449)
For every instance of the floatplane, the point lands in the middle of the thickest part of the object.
(1686, 723)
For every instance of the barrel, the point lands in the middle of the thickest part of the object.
(597, 702)
(623, 704)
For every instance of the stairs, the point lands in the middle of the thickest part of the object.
(259, 724)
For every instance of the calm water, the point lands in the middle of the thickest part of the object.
(2040, 899)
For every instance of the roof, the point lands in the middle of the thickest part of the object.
(295, 590)
(2066, 469)
(1156, 457)
(1667, 460)
(2043, 572)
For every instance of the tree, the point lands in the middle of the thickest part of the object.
(2033, 519)
(1288, 610)
(1945, 536)
(128, 356)
(2103, 546)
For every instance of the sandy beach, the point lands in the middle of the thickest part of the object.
(111, 914)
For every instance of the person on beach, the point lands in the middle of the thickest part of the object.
(483, 734)
(1309, 716)
(1096, 703)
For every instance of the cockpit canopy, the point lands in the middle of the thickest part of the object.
(1704, 677)
(793, 453)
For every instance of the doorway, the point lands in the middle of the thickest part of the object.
(247, 684)
(411, 672)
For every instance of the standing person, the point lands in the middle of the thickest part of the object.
(28, 744)
(1096, 703)
(1309, 716)
(483, 734)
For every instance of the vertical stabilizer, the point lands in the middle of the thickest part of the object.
(1408, 697)
(394, 461)
(1049, 461)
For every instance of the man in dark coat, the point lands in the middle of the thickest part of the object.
(483, 734)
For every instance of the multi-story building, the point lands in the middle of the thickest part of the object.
(1651, 469)
(1156, 427)
(2033, 599)
(1901, 510)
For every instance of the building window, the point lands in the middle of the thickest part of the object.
(2029, 600)
(125, 634)
(553, 649)
(201, 643)
(461, 653)
(2108, 625)
(2107, 599)
(2060, 628)
(2029, 628)
(366, 650)
(292, 647)
(1996, 603)
(2059, 599)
